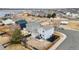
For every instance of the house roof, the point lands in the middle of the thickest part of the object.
(21, 21)
(33, 26)
(8, 21)
(47, 27)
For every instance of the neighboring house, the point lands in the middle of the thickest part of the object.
(9, 15)
(68, 13)
(74, 15)
(8, 21)
(22, 23)
(64, 22)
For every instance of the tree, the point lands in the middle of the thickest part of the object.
(49, 16)
(16, 36)
(53, 15)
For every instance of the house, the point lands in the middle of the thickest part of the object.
(74, 15)
(43, 33)
(8, 21)
(64, 22)
(46, 32)
(68, 13)
(22, 23)
(39, 31)
(9, 15)
(32, 26)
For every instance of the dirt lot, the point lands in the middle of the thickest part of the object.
(73, 24)
(39, 44)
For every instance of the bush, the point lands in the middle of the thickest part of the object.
(53, 15)
(49, 16)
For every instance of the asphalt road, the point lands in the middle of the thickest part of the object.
(71, 42)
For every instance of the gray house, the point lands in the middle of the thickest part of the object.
(42, 32)
(33, 26)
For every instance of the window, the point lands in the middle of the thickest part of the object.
(42, 31)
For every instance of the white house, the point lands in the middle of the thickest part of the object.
(68, 13)
(74, 15)
(8, 21)
(36, 30)
(46, 32)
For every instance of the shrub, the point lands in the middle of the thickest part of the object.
(16, 36)
(53, 15)
(49, 16)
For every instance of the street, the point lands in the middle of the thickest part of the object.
(71, 42)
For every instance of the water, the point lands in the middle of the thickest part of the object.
(3, 12)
